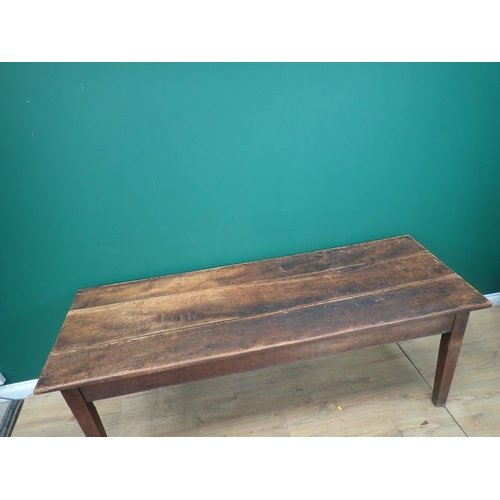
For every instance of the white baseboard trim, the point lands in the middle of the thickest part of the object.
(21, 390)
(494, 298)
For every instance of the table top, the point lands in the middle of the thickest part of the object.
(153, 325)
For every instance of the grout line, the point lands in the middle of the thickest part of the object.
(430, 387)
(455, 420)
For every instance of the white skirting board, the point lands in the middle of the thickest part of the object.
(494, 298)
(22, 390)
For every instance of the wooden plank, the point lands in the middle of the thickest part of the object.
(283, 267)
(159, 352)
(248, 361)
(127, 320)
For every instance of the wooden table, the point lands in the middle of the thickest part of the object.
(141, 335)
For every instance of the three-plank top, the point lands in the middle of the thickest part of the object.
(252, 315)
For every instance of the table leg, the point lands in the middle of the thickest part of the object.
(449, 349)
(85, 413)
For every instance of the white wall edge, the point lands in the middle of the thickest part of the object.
(20, 390)
(494, 298)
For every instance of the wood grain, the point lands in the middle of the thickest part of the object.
(132, 319)
(361, 254)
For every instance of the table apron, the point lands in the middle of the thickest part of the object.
(372, 336)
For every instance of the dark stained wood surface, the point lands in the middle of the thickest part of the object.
(253, 314)
(252, 360)
(336, 258)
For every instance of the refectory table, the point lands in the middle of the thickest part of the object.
(141, 335)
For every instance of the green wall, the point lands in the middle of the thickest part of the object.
(113, 172)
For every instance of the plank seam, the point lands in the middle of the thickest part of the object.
(252, 284)
(273, 313)
(416, 253)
